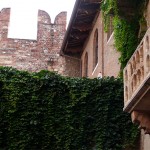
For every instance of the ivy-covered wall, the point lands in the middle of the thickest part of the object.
(45, 111)
(128, 21)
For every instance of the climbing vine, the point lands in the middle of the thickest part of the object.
(127, 32)
(109, 8)
(126, 38)
(44, 110)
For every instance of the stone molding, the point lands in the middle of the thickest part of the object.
(142, 119)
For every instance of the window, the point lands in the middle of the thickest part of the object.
(110, 28)
(95, 49)
(148, 63)
(86, 65)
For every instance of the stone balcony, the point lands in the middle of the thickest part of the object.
(137, 84)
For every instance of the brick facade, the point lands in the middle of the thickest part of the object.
(35, 55)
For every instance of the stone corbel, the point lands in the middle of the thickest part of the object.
(142, 118)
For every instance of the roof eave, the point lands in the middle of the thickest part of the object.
(73, 15)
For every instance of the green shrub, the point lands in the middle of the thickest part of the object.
(45, 111)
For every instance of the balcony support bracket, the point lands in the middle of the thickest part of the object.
(142, 118)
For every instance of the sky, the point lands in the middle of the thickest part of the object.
(23, 17)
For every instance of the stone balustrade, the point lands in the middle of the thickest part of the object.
(137, 70)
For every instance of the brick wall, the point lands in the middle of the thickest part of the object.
(108, 64)
(35, 55)
(111, 57)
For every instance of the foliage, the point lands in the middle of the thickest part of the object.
(126, 38)
(126, 27)
(45, 111)
(109, 7)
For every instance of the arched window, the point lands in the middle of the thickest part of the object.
(139, 76)
(110, 28)
(141, 53)
(142, 71)
(126, 90)
(86, 65)
(134, 64)
(148, 63)
(147, 42)
(134, 82)
(137, 57)
(126, 76)
(131, 69)
(95, 49)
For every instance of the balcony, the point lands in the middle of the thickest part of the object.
(137, 84)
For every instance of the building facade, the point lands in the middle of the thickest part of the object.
(87, 40)
(99, 52)
(137, 84)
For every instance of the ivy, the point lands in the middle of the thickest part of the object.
(126, 38)
(109, 8)
(127, 32)
(44, 110)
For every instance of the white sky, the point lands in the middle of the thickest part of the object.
(23, 18)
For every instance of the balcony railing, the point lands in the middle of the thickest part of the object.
(137, 74)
